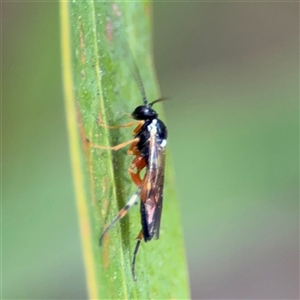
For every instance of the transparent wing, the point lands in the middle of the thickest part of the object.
(152, 190)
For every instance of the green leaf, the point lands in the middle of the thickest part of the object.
(99, 85)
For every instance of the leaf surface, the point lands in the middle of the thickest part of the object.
(101, 44)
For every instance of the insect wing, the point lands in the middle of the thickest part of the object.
(152, 190)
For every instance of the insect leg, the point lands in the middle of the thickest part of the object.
(121, 213)
(117, 147)
(121, 126)
(138, 163)
(128, 115)
(132, 150)
(138, 128)
(139, 238)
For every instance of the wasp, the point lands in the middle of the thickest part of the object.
(148, 146)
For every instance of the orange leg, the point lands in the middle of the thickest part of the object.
(117, 147)
(138, 163)
(139, 238)
(120, 126)
(128, 115)
(132, 150)
(138, 128)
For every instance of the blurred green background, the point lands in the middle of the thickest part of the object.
(231, 71)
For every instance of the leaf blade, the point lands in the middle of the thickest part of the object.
(102, 86)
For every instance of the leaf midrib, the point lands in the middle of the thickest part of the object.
(103, 115)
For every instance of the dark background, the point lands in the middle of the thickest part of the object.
(231, 71)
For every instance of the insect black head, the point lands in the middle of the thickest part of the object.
(144, 112)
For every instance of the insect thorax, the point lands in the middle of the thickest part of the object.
(161, 133)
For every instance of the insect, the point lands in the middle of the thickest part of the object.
(148, 146)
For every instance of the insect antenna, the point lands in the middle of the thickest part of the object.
(135, 72)
(132, 65)
(157, 100)
(119, 33)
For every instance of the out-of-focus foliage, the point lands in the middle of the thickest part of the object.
(234, 118)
